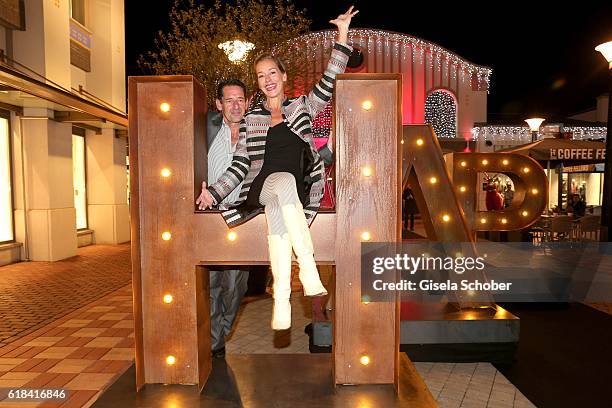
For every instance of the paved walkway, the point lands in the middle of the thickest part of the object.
(33, 294)
(82, 353)
(71, 327)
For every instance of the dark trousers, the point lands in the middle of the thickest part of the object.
(226, 291)
(409, 217)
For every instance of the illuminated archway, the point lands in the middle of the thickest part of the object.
(441, 113)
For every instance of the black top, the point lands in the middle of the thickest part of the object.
(285, 152)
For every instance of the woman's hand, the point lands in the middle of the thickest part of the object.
(343, 21)
(205, 200)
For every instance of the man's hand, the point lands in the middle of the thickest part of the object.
(205, 200)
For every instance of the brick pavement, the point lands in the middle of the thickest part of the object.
(33, 294)
(83, 352)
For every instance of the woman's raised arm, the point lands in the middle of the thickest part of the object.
(322, 92)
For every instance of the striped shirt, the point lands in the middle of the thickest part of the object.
(220, 156)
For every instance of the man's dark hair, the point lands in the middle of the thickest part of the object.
(230, 82)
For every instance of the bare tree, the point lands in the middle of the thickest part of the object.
(191, 46)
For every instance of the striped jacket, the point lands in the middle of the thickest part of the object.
(248, 157)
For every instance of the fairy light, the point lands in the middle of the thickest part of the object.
(166, 236)
(366, 236)
(463, 189)
(483, 220)
(505, 162)
(526, 170)
(419, 142)
(366, 105)
(170, 360)
(364, 360)
(236, 50)
(164, 107)
(165, 173)
(441, 113)
(504, 221)
(231, 236)
(524, 213)
(395, 46)
(366, 171)
(168, 298)
(463, 164)
(446, 218)
(433, 180)
(505, 135)
(534, 191)
(485, 162)
(321, 124)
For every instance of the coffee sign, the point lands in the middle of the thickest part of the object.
(577, 154)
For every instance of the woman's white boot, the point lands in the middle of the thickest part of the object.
(299, 234)
(279, 247)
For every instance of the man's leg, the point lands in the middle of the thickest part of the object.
(216, 310)
(234, 288)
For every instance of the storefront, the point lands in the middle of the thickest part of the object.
(572, 167)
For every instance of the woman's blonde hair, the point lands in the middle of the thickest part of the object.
(267, 56)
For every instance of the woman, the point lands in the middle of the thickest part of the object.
(282, 171)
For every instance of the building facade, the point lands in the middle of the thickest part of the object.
(63, 123)
(439, 87)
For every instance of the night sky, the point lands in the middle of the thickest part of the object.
(542, 55)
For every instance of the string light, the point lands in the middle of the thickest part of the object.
(170, 360)
(166, 236)
(463, 189)
(166, 172)
(365, 236)
(526, 169)
(524, 213)
(164, 107)
(366, 105)
(483, 220)
(485, 162)
(394, 45)
(446, 218)
(231, 236)
(168, 299)
(504, 221)
(534, 191)
(441, 113)
(463, 164)
(419, 142)
(505, 162)
(364, 360)
(236, 50)
(521, 134)
(366, 171)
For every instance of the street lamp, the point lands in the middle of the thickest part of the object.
(606, 51)
(534, 126)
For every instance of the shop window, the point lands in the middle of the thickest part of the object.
(6, 194)
(77, 10)
(79, 180)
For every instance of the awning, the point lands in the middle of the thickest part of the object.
(19, 91)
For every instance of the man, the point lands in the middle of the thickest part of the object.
(226, 286)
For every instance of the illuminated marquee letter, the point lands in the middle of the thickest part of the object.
(530, 189)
